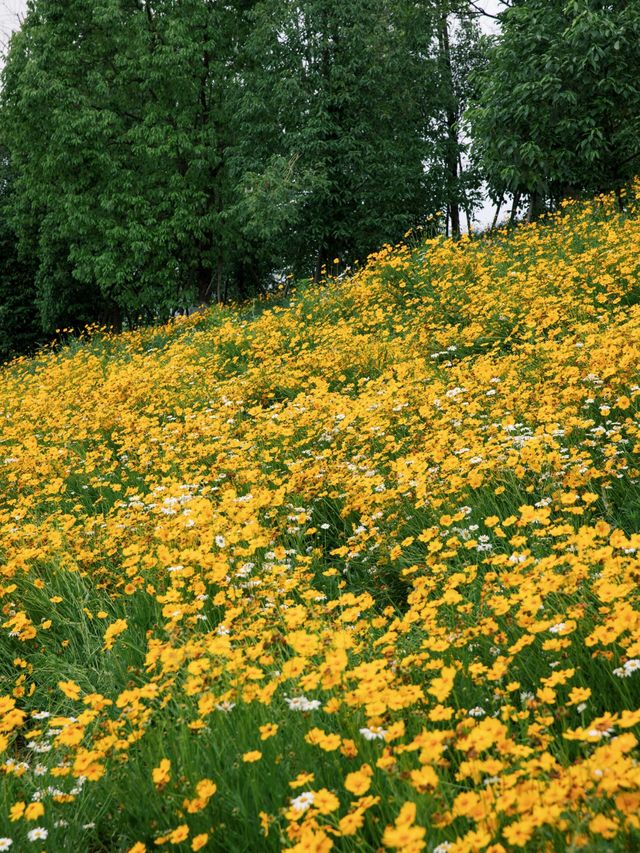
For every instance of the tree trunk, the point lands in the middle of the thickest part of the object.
(318, 268)
(326, 253)
(468, 212)
(240, 281)
(467, 216)
(536, 206)
(514, 209)
(453, 143)
(219, 279)
(113, 317)
(495, 218)
(204, 281)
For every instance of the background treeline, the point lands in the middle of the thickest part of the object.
(160, 154)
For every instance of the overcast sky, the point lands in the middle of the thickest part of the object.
(10, 11)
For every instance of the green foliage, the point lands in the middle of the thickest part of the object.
(118, 117)
(336, 105)
(558, 107)
(19, 321)
(166, 155)
(459, 53)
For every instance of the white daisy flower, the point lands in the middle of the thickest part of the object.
(37, 834)
(302, 802)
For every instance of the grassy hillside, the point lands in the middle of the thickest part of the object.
(358, 571)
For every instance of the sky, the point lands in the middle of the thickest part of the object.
(10, 11)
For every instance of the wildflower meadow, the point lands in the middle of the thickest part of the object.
(354, 568)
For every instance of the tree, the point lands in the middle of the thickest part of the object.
(19, 321)
(460, 52)
(169, 153)
(337, 104)
(558, 110)
(119, 116)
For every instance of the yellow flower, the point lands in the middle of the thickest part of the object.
(162, 773)
(33, 811)
(180, 834)
(16, 811)
(325, 802)
(70, 689)
(605, 826)
(579, 694)
(206, 788)
(327, 742)
(442, 686)
(265, 823)
(424, 778)
(302, 780)
(404, 835)
(351, 823)
(113, 631)
(518, 834)
(359, 782)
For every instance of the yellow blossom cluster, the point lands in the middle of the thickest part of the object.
(355, 572)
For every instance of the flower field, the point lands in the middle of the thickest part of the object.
(355, 572)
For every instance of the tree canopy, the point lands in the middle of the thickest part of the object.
(558, 106)
(166, 154)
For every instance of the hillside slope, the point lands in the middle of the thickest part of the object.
(361, 571)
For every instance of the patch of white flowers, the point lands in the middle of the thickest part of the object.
(627, 668)
(301, 703)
